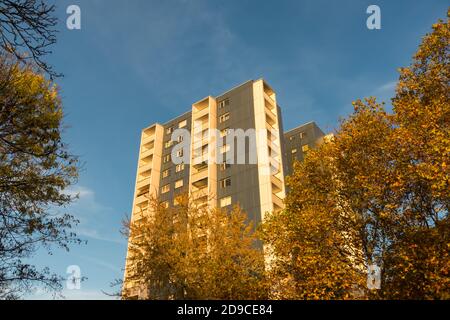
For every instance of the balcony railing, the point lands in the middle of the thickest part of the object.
(270, 126)
(277, 185)
(199, 143)
(269, 100)
(143, 182)
(145, 167)
(147, 153)
(199, 175)
(277, 202)
(200, 159)
(270, 117)
(147, 139)
(200, 113)
(141, 199)
(201, 183)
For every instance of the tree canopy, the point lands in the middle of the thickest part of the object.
(377, 193)
(35, 171)
(190, 252)
(27, 31)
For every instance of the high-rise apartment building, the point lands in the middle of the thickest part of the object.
(235, 152)
(298, 141)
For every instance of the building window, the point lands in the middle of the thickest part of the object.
(165, 188)
(179, 167)
(180, 153)
(224, 117)
(178, 183)
(166, 173)
(224, 103)
(224, 166)
(302, 135)
(225, 182)
(169, 130)
(291, 138)
(294, 151)
(180, 138)
(166, 158)
(226, 201)
(182, 124)
(224, 132)
(168, 144)
(305, 148)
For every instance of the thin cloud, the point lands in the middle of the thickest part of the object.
(101, 263)
(387, 87)
(80, 191)
(93, 215)
(94, 234)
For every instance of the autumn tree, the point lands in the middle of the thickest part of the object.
(191, 252)
(375, 194)
(314, 242)
(35, 170)
(418, 262)
(28, 30)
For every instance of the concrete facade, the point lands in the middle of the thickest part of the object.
(298, 141)
(258, 187)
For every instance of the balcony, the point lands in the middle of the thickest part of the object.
(145, 167)
(148, 135)
(200, 174)
(200, 142)
(269, 102)
(141, 199)
(274, 167)
(272, 145)
(200, 160)
(198, 193)
(269, 92)
(274, 150)
(199, 166)
(277, 202)
(200, 184)
(142, 191)
(270, 126)
(277, 184)
(148, 146)
(270, 117)
(140, 209)
(143, 183)
(200, 130)
(202, 104)
(147, 140)
(201, 113)
(146, 154)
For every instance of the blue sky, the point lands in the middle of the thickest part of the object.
(134, 63)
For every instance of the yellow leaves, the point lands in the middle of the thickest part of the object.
(389, 172)
(208, 253)
(397, 184)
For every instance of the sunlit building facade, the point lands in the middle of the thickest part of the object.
(234, 151)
